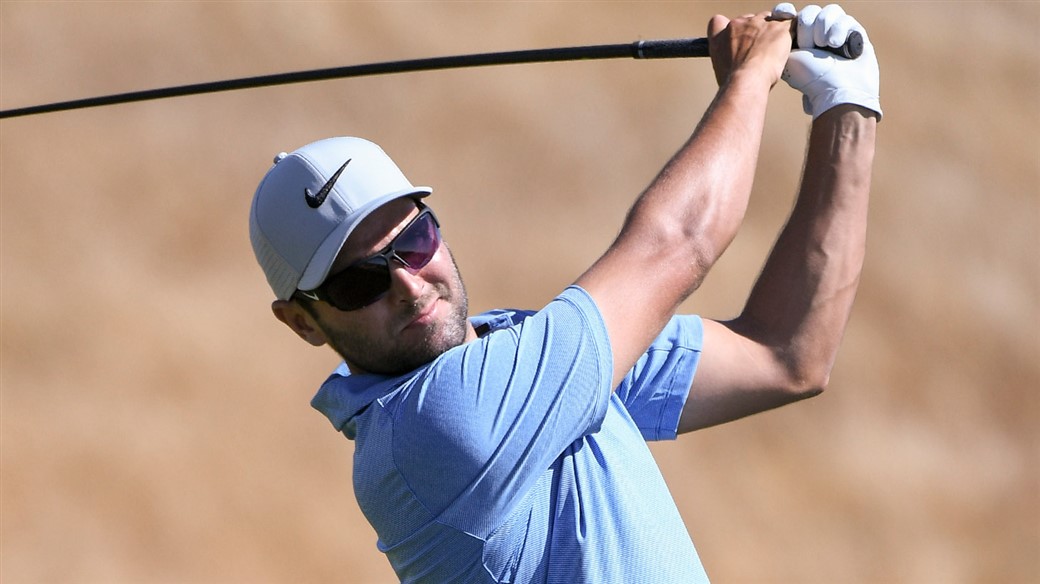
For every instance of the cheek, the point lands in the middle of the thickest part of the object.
(356, 323)
(442, 267)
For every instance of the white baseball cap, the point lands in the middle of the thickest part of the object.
(311, 200)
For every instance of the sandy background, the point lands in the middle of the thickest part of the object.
(155, 417)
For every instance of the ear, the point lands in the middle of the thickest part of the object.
(299, 320)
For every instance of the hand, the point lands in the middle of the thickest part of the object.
(748, 41)
(824, 79)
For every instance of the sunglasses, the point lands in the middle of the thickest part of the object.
(368, 280)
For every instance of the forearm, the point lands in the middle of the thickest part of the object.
(681, 223)
(697, 202)
(801, 302)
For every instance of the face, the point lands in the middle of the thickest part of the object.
(423, 314)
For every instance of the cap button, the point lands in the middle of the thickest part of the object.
(278, 157)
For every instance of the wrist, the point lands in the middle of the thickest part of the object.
(844, 137)
(752, 76)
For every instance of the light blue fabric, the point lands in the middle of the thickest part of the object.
(509, 459)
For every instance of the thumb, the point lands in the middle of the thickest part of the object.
(717, 24)
(784, 11)
(718, 47)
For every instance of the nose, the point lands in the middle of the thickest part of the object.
(405, 285)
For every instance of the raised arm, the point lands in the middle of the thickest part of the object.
(782, 346)
(686, 218)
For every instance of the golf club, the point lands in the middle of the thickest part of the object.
(646, 49)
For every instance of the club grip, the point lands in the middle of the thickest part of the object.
(698, 47)
(670, 48)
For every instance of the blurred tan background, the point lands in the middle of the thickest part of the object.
(155, 416)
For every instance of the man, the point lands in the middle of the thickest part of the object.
(510, 447)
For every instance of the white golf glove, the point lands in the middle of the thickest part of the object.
(824, 79)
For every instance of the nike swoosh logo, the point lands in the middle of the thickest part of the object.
(315, 200)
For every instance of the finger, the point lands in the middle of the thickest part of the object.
(839, 31)
(806, 18)
(827, 19)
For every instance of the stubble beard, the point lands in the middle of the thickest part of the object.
(389, 355)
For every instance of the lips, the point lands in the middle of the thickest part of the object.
(424, 317)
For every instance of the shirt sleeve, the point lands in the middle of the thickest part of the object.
(486, 419)
(655, 390)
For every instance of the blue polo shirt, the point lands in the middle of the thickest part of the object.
(509, 458)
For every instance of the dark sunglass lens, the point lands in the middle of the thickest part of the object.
(417, 245)
(359, 285)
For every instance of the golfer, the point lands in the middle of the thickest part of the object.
(510, 446)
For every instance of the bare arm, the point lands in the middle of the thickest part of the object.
(687, 217)
(783, 345)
